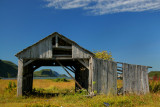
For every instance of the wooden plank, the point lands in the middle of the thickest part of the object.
(139, 79)
(78, 52)
(115, 78)
(42, 49)
(147, 82)
(56, 40)
(110, 77)
(129, 78)
(102, 77)
(90, 75)
(133, 84)
(144, 80)
(94, 78)
(63, 47)
(105, 77)
(20, 78)
(83, 63)
(136, 78)
(28, 62)
(50, 47)
(125, 76)
(99, 75)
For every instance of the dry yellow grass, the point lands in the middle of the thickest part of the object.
(10, 99)
(4, 84)
(46, 84)
(119, 83)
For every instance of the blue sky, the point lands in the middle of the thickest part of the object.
(130, 29)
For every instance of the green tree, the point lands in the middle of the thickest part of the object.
(103, 55)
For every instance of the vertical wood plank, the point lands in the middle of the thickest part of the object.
(20, 78)
(90, 75)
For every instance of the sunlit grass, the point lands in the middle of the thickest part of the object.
(72, 100)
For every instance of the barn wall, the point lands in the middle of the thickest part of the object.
(78, 52)
(25, 78)
(42, 49)
(104, 76)
(135, 79)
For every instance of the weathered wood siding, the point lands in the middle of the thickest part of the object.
(104, 76)
(25, 78)
(135, 79)
(43, 49)
(78, 52)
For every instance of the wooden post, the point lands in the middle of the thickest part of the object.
(90, 75)
(20, 78)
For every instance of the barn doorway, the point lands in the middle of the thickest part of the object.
(53, 87)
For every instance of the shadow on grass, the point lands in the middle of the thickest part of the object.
(41, 94)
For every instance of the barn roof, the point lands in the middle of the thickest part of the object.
(53, 34)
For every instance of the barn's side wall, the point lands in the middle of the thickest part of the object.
(135, 79)
(25, 78)
(42, 49)
(78, 52)
(104, 76)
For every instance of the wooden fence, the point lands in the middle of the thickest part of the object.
(135, 79)
(104, 76)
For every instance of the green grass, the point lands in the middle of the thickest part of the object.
(63, 95)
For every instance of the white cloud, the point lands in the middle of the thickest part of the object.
(100, 7)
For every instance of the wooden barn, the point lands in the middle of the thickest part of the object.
(95, 75)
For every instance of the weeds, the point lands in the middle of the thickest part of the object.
(59, 94)
(154, 86)
(11, 86)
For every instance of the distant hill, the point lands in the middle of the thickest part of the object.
(48, 73)
(153, 73)
(8, 69)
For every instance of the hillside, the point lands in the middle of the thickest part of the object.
(153, 73)
(8, 69)
(48, 73)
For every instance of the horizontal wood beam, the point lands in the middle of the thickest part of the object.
(28, 62)
(63, 47)
(119, 70)
(119, 67)
(84, 64)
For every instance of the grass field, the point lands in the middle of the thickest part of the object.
(61, 94)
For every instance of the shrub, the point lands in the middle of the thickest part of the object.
(103, 55)
(60, 80)
(154, 86)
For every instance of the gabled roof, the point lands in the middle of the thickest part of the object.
(53, 34)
